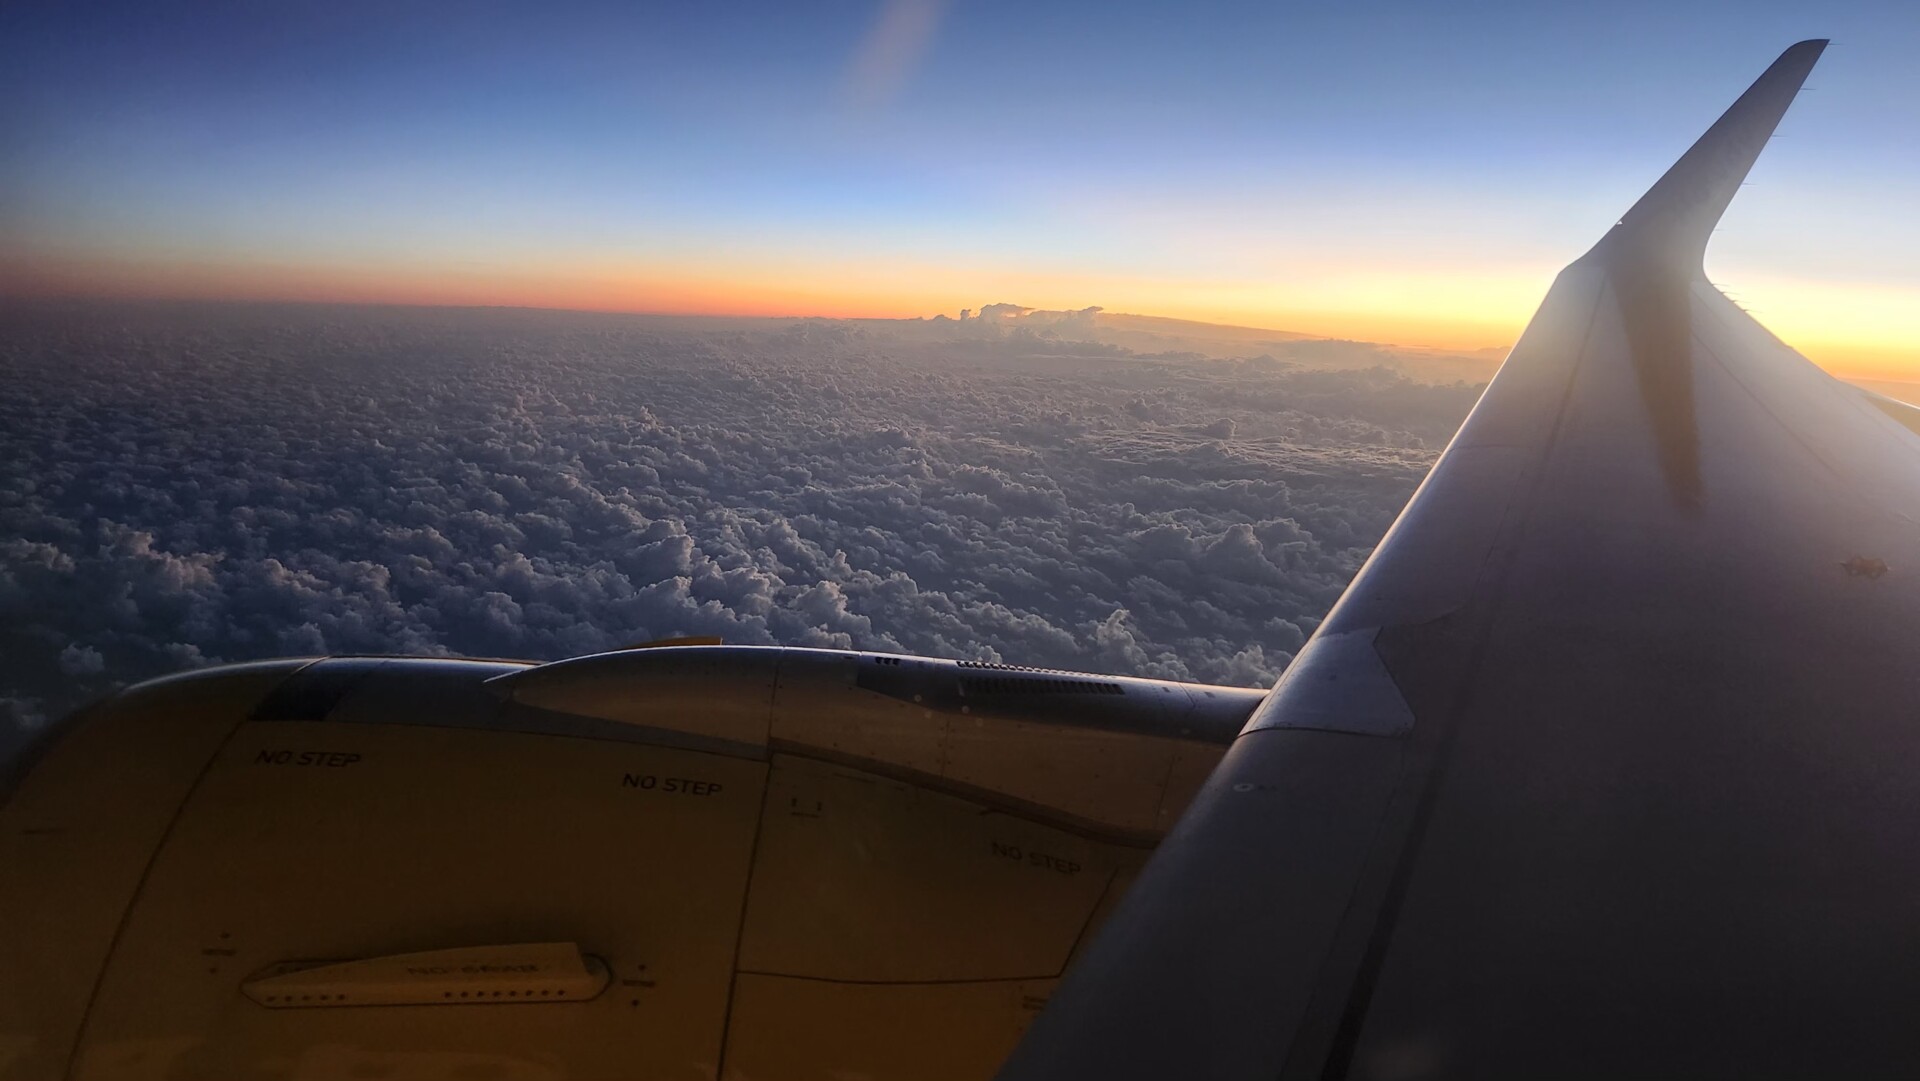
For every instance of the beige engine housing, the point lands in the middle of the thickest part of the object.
(686, 862)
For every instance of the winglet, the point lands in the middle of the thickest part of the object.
(1672, 221)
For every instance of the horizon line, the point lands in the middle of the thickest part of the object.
(27, 297)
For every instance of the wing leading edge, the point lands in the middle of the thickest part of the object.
(1606, 762)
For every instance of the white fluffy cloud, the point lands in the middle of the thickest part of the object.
(180, 486)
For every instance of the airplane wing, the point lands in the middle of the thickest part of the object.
(1607, 764)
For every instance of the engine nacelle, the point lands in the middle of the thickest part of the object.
(689, 862)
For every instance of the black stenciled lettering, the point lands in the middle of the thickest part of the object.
(1042, 860)
(679, 786)
(323, 759)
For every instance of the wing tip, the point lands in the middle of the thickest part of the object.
(1811, 48)
(1672, 222)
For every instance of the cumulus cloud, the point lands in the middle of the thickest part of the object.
(183, 486)
(79, 660)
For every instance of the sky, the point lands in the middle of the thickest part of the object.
(1412, 173)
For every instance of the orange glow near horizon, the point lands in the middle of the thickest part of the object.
(1858, 331)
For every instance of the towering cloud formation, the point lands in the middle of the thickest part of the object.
(186, 485)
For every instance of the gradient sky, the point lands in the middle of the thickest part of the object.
(1404, 172)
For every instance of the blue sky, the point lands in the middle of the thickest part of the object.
(1394, 170)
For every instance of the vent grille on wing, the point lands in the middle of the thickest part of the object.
(999, 666)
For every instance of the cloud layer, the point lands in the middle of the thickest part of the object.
(185, 485)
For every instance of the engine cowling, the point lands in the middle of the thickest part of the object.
(679, 862)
